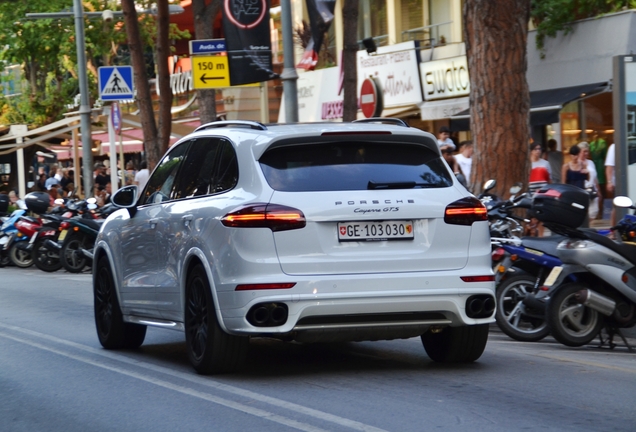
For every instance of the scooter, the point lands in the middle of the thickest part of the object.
(8, 234)
(604, 294)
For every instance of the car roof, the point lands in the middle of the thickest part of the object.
(260, 136)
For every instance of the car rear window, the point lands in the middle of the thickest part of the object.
(353, 166)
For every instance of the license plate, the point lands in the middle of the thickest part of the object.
(552, 277)
(375, 231)
(62, 235)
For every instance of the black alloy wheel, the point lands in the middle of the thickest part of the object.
(71, 255)
(44, 258)
(210, 349)
(112, 331)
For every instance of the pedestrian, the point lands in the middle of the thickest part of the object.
(598, 153)
(41, 185)
(443, 138)
(591, 184)
(129, 173)
(52, 179)
(539, 170)
(141, 178)
(99, 177)
(555, 159)
(464, 159)
(610, 176)
(574, 172)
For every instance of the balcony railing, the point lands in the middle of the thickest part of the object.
(430, 35)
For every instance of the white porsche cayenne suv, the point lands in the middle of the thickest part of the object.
(307, 232)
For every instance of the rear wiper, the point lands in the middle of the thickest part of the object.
(395, 185)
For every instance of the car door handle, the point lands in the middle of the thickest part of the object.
(186, 220)
(153, 223)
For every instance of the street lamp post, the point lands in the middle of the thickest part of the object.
(289, 75)
(85, 109)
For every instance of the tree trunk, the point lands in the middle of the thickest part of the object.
(350, 23)
(144, 100)
(163, 76)
(496, 32)
(203, 27)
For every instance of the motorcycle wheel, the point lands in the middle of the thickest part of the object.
(45, 259)
(513, 317)
(71, 255)
(570, 322)
(20, 257)
(5, 260)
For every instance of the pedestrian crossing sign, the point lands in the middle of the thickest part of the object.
(115, 82)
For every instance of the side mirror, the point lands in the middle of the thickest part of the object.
(515, 189)
(490, 184)
(125, 197)
(623, 202)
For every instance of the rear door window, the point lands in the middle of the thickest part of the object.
(353, 166)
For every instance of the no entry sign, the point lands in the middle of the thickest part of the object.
(371, 102)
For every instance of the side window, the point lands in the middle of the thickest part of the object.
(160, 183)
(198, 168)
(226, 175)
(210, 167)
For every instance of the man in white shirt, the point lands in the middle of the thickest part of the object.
(464, 159)
(610, 175)
(141, 178)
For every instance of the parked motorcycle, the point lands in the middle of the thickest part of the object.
(8, 233)
(604, 293)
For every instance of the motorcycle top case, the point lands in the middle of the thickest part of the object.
(563, 204)
(37, 202)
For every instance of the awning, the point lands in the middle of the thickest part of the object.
(544, 104)
(443, 109)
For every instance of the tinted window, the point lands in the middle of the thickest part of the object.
(353, 166)
(159, 186)
(210, 167)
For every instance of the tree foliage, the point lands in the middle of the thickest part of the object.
(551, 16)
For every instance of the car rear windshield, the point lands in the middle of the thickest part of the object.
(353, 166)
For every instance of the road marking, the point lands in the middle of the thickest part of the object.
(341, 421)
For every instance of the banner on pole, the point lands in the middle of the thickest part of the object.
(247, 36)
(320, 17)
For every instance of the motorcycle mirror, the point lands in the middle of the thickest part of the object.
(489, 184)
(92, 206)
(623, 202)
(515, 189)
(59, 201)
(91, 200)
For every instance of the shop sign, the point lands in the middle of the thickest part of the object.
(447, 78)
(395, 67)
(318, 98)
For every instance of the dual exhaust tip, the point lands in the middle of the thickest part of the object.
(480, 306)
(268, 314)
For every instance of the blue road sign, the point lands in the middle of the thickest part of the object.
(115, 115)
(115, 82)
(207, 46)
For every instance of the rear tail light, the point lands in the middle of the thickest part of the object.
(498, 254)
(64, 225)
(273, 216)
(484, 278)
(265, 286)
(465, 211)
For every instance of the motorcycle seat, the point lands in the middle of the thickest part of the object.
(626, 251)
(95, 224)
(546, 245)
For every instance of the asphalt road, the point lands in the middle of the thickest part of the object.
(54, 376)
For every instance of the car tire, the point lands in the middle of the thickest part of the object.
(112, 331)
(45, 259)
(71, 255)
(526, 325)
(570, 322)
(20, 257)
(463, 344)
(210, 349)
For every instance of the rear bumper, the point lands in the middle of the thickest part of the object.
(369, 307)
